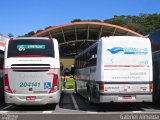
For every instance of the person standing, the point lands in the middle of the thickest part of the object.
(72, 69)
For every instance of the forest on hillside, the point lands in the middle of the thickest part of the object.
(143, 23)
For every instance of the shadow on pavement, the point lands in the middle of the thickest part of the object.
(67, 103)
(33, 107)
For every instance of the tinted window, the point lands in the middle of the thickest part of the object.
(1, 59)
(29, 47)
(87, 59)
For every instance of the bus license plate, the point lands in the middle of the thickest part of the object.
(126, 98)
(30, 97)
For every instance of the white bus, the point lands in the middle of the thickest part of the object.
(115, 69)
(32, 71)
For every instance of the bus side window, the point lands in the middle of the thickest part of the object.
(1, 63)
(93, 59)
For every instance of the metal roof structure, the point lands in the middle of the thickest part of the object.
(75, 37)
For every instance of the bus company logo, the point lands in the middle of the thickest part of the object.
(118, 50)
(24, 47)
(21, 48)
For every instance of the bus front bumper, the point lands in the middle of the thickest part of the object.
(32, 99)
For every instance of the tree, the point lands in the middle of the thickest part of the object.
(136, 27)
(76, 20)
(48, 27)
(29, 34)
(38, 31)
(95, 20)
(143, 23)
(10, 35)
(119, 20)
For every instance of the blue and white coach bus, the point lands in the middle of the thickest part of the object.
(115, 69)
(32, 71)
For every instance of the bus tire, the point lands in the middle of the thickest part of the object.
(89, 96)
(90, 100)
(52, 106)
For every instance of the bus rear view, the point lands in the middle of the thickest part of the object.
(32, 74)
(127, 70)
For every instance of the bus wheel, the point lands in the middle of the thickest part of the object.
(51, 106)
(89, 97)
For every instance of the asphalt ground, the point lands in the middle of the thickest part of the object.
(73, 106)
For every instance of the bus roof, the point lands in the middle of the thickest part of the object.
(32, 38)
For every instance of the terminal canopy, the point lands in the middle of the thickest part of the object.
(75, 37)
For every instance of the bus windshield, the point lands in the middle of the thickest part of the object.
(28, 47)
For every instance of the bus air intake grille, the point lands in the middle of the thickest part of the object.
(30, 67)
